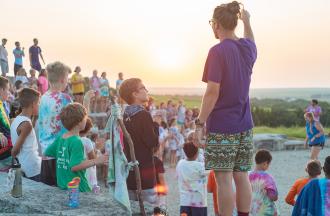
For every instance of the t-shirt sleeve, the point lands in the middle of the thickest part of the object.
(291, 194)
(271, 187)
(76, 154)
(253, 49)
(213, 69)
(88, 145)
(51, 150)
(30, 50)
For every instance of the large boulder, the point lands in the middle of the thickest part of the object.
(41, 199)
(271, 142)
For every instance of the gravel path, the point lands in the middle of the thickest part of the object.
(286, 167)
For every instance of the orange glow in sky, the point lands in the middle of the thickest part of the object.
(166, 42)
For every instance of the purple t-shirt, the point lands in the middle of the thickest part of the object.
(230, 64)
(315, 110)
(35, 51)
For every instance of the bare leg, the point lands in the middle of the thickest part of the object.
(225, 191)
(243, 191)
(315, 150)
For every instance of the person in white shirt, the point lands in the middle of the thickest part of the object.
(4, 58)
(25, 146)
(89, 147)
(192, 179)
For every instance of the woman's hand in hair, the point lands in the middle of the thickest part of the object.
(245, 16)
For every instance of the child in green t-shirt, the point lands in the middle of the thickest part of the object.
(69, 149)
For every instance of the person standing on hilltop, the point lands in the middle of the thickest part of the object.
(18, 54)
(119, 81)
(78, 85)
(314, 135)
(34, 53)
(4, 58)
(315, 109)
(226, 107)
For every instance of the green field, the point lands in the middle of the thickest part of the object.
(189, 101)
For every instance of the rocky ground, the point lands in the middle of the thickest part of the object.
(40, 199)
(286, 167)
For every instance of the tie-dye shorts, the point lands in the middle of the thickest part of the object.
(229, 152)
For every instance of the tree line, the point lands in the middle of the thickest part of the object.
(278, 112)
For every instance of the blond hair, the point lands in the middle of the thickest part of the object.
(310, 115)
(57, 71)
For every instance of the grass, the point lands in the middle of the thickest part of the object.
(291, 132)
(189, 101)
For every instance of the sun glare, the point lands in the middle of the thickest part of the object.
(167, 57)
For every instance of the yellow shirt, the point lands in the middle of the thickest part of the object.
(77, 88)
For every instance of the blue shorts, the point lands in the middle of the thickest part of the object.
(193, 211)
(317, 145)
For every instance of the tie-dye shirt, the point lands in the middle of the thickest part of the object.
(192, 179)
(50, 125)
(263, 187)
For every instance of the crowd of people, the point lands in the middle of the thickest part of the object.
(45, 123)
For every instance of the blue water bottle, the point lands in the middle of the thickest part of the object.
(73, 187)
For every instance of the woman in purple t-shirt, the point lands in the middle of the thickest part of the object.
(226, 107)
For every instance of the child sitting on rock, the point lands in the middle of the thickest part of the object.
(68, 149)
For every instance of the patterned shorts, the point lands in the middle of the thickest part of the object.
(229, 152)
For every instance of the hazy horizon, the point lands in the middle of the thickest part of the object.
(166, 42)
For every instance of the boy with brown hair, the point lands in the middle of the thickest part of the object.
(69, 149)
(23, 135)
(264, 190)
(144, 135)
(313, 169)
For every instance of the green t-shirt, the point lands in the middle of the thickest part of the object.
(68, 152)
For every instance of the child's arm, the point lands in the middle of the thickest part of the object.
(87, 99)
(271, 189)
(289, 199)
(91, 155)
(319, 128)
(103, 159)
(162, 182)
(272, 194)
(23, 131)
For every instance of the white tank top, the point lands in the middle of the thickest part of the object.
(28, 155)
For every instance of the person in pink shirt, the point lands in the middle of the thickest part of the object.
(315, 109)
(42, 81)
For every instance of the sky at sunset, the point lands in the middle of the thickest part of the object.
(165, 42)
